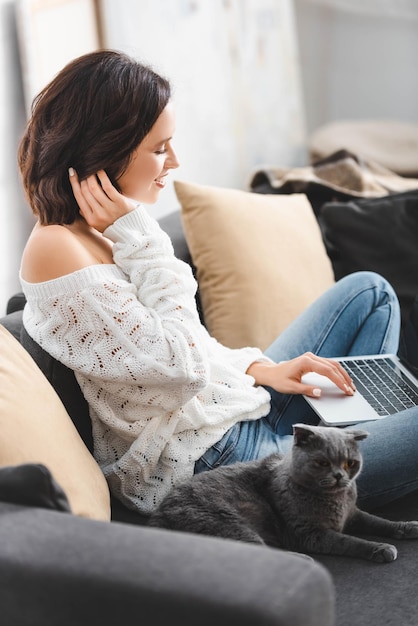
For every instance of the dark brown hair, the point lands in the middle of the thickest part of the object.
(91, 116)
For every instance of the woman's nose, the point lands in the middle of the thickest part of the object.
(172, 161)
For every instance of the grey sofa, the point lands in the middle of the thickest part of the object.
(56, 568)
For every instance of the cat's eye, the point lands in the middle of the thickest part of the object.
(322, 463)
(349, 464)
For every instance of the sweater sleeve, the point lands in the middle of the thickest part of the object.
(144, 252)
(159, 282)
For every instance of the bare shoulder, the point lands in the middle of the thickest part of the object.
(54, 251)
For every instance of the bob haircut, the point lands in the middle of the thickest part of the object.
(91, 116)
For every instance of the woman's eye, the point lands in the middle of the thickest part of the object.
(162, 151)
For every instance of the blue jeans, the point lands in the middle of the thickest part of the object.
(358, 315)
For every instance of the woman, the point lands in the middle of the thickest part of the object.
(106, 297)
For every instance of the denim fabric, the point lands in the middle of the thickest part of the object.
(358, 315)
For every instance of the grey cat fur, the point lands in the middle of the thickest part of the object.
(303, 501)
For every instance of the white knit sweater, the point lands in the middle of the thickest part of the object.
(161, 391)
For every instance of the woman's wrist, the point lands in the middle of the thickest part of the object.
(263, 372)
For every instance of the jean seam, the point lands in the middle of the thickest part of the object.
(233, 437)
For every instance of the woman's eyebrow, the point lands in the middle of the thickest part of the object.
(162, 141)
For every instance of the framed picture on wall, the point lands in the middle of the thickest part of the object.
(51, 33)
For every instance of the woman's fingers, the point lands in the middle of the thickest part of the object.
(107, 186)
(335, 372)
(76, 187)
(99, 201)
(82, 193)
(332, 370)
(308, 362)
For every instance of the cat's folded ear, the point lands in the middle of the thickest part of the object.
(358, 435)
(302, 433)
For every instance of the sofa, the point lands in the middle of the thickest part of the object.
(70, 559)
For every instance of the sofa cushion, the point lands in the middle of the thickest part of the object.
(378, 234)
(260, 260)
(408, 349)
(339, 176)
(61, 377)
(65, 384)
(32, 484)
(391, 143)
(16, 302)
(13, 323)
(60, 570)
(35, 428)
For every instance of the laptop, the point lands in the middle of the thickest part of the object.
(385, 385)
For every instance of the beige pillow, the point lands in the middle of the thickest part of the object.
(35, 428)
(260, 260)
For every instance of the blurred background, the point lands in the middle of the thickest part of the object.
(252, 80)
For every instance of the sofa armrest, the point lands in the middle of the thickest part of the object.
(56, 568)
(16, 303)
(13, 323)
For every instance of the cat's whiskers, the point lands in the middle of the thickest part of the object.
(332, 481)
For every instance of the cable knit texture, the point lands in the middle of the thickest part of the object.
(161, 391)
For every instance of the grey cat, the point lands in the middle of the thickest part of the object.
(304, 501)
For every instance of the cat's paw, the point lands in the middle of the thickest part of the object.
(408, 530)
(384, 553)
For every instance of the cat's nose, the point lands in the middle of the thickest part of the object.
(338, 476)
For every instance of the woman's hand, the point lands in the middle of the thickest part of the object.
(100, 204)
(286, 377)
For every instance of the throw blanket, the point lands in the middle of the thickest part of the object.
(340, 176)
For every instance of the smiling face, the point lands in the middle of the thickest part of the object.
(151, 161)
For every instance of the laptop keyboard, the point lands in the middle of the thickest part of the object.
(383, 385)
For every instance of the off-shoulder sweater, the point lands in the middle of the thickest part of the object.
(160, 390)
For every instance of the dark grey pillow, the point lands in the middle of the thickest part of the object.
(13, 323)
(16, 302)
(61, 378)
(32, 484)
(378, 234)
(408, 348)
(173, 226)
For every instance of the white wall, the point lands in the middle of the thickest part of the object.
(15, 218)
(235, 72)
(358, 59)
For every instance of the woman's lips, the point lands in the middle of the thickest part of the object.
(160, 182)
